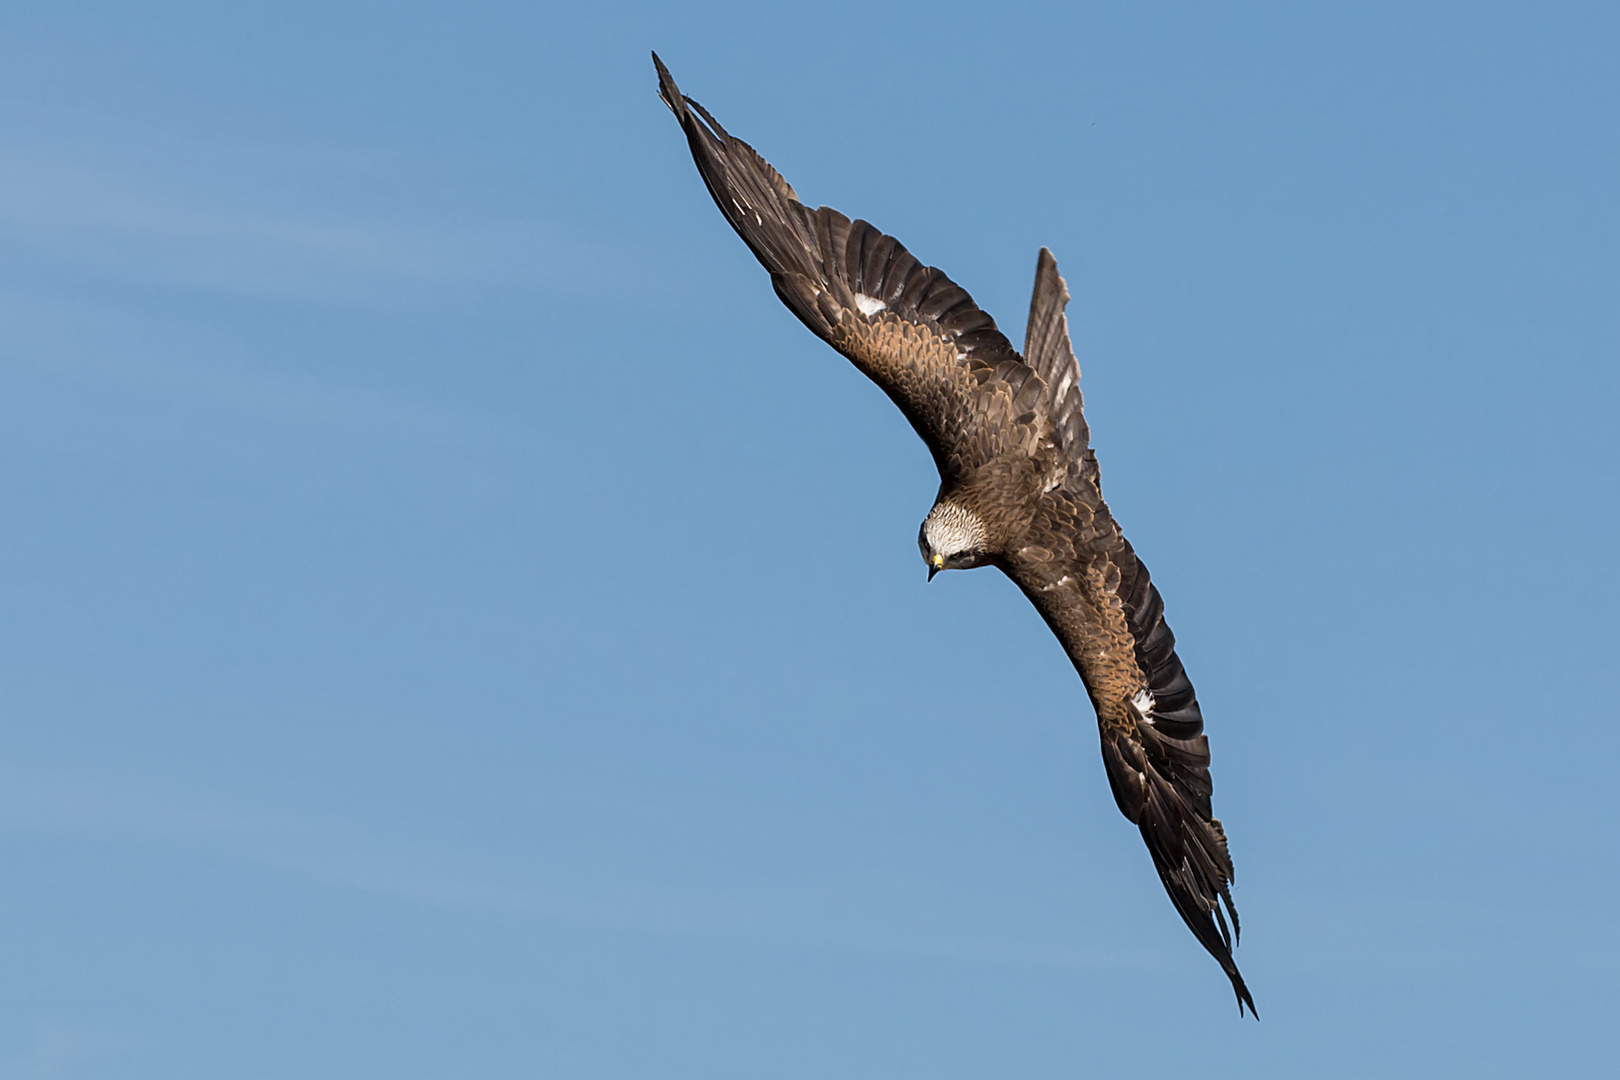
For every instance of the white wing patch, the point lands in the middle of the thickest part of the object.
(1143, 703)
(747, 208)
(869, 305)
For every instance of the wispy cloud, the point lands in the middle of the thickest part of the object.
(74, 355)
(319, 849)
(203, 217)
(865, 916)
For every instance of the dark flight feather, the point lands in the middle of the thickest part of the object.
(1010, 431)
(1047, 350)
(930, 347)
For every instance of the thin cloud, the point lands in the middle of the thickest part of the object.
(337, 855)
(129, 220)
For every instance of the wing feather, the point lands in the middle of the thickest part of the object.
(907, 326)
(1098, 599)
(1048, 351)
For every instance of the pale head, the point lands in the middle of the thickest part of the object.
(952, 538)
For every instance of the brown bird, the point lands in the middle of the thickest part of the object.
(1018, 490)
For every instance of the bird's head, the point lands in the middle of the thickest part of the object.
(952, 538)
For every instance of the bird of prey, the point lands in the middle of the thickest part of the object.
(1018, 489)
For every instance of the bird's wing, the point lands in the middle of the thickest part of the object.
(1047, 350)
(1082, 575)
(907, 326)
(1095, 594)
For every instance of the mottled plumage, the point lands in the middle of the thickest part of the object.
(1018, 489)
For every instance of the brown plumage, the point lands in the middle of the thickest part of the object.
(1018, 490)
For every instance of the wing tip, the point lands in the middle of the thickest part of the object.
(1224, 957)
(1046, 267)
(1241, 989)
(667, 90)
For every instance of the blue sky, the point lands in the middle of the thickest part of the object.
(456, 622)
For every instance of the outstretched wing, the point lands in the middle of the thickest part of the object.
(907, 326)
(1168, 753)
(1082, 575)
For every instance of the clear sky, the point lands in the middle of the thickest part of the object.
(454, 622)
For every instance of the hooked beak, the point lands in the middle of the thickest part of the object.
(935, 565)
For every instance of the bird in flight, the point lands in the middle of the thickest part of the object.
(1019, 489)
